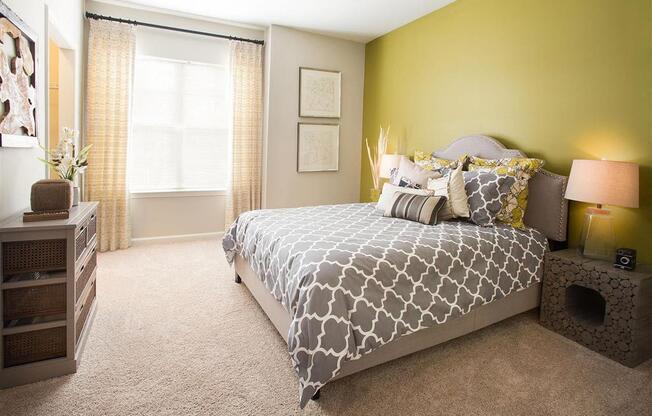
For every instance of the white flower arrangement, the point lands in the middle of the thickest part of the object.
(376, 157)
(63, 159)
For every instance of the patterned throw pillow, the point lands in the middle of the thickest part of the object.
(429, 162)
(520, 168)
(406, 182)
(389, 190)
(419, 208)
(412, 173)
(486, 192)
(393, 175)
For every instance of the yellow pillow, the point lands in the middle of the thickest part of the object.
(429, 162)
(513, 209)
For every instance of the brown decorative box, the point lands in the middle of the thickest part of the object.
(51, 195)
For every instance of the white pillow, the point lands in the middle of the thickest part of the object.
(388, 194)
(452, 187)
(414, 173)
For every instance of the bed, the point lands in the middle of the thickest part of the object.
(349, 289)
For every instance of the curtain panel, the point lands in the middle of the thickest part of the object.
(244, 185)
(111, 49)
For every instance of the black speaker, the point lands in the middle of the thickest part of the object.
(625, 259)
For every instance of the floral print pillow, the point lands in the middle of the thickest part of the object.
(429, 162)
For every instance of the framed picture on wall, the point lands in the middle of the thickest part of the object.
(18, 66)
(320, 93)
(318, 147)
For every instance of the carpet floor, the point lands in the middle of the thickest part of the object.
(173, 335)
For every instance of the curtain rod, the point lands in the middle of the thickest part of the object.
(175, 29)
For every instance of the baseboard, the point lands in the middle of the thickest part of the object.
(174, 238)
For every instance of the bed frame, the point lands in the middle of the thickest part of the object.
(547, 211)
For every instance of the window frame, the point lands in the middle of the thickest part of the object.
(181, 192)
(177, 193)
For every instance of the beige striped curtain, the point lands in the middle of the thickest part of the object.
(244, 189)
(111, 48)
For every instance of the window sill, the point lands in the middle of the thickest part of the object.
(177, 193)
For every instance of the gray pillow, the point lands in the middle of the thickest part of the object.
(486, 192)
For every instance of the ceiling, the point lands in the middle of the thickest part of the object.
(358, 20)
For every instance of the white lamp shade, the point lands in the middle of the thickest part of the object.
(388, 163)
(604, 182)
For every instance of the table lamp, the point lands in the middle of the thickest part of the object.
(601, 182)
(387, 164)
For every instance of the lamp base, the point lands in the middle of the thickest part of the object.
(597, 238)
(374, 194)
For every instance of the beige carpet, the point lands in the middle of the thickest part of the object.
(175, 336)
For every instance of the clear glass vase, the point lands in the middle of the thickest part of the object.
(75, 196)
(597, 237)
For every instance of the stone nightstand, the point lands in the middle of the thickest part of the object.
(603, 308)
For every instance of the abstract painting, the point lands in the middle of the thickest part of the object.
(17, 81)
(318, 147)
(319, 93)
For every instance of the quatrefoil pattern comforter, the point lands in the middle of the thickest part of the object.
(353, 280)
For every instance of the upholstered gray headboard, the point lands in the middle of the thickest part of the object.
(547, 210)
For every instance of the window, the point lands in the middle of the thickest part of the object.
(179, 132)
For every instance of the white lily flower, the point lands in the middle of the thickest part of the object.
(63, 158)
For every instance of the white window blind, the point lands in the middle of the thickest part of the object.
(180, 133)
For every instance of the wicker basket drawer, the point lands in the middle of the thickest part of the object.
(27, 347)
(85, 309)
(85, 273)
(80, 241)
(30, 302)
(33, 256)
(91, 230)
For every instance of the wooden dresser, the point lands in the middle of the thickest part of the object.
(48, 297)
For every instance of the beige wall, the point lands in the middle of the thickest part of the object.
(65, 27)
(159, 215)
(70, 86)
(53, 118)
(287, 50)
(156, 215)
(19, 168)
(66, 16)
(169, 214)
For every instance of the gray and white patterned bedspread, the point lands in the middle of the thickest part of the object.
(353, 280)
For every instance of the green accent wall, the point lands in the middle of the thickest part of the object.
(558, 79)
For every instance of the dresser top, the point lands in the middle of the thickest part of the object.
(76, 216)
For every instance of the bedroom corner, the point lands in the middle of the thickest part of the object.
(282, 207)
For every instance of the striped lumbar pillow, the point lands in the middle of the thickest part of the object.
(419, 208)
